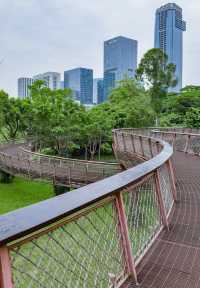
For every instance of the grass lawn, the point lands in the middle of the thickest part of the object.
(22, 193)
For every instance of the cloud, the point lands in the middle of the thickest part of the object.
(39, 36)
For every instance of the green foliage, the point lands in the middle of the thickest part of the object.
(130, 105)
(178, 108)
(11, 118)
(192, 118)
(53, 117)
(106, 148)
(157, 75)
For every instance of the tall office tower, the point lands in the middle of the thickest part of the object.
(169, 29)
(23, 87)
(120, 61)
(95, 89)
(100, 91)
(52, 79)
(80, 80)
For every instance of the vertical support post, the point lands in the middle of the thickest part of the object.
(173, 141)
(124, 235)
(150, 147)
(133, 143)
(172, 178)
(5, 269)
(115, 151)
(141, 145)
(161, 204)
(124, 142)
(187, 144)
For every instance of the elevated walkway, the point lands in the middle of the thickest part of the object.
(137, 228)
(174, 259)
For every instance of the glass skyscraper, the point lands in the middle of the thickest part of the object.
(100, 91)
(120, 61)
(80, 80)
(23, 87)
(169, 28)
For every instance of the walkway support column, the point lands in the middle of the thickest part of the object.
(124, 236)
(5, 269)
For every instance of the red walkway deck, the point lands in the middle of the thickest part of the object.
(174, 259)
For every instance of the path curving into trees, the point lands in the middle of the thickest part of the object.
(17, 159)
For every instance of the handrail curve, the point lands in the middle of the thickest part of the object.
(119, 217)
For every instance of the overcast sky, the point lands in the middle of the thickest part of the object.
(56, 35)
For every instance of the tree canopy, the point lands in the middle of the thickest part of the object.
(157, 75)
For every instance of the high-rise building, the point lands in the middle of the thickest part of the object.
(51, 79)
(100, 91)
(120, 61)
(97, 85)
(95, 81)
(23, 87)
(80, 81)
(169, 28)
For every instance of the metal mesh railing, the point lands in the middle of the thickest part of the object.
(143, 216)
(99, 244)
(182, 139)
(85, 252)
(63, 171)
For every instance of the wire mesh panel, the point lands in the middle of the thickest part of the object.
(83, 253)
(180, 142)
(143, 215)
(194, 145)
(166, 187)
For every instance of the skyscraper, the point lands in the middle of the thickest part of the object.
(120, 61)
(169, 28)
(97, 83)
(51, 79)
(23, 87)
(100, 91)
(80, 80)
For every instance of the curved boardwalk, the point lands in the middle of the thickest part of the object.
(174, 259)
(61, 171)
(102, 230)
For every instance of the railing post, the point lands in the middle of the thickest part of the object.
(187, 144)
(132, 142)
(161, 204)
(124, 142)
(172, 178)
(124, 235)
(141, 145)
(150, 147)
(5, 269)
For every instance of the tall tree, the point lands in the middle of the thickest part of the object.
(157, 75)
(10, 116)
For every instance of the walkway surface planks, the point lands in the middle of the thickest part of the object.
(174, 259)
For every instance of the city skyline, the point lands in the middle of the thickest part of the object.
(29, 57)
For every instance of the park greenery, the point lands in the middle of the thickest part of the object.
(58, 125)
